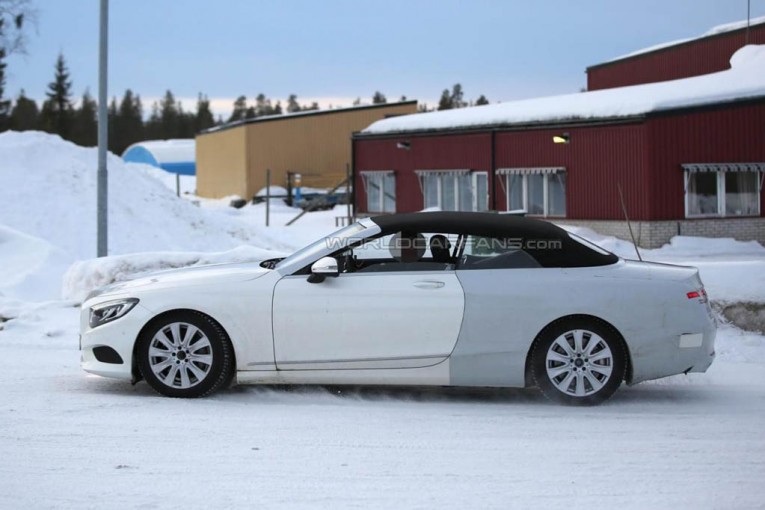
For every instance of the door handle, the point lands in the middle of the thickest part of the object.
(429, 284)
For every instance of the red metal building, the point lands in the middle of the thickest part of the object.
(695, 168)
(693, 57)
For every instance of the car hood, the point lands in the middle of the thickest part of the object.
(185, 277)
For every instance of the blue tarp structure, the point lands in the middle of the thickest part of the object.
(174, 156)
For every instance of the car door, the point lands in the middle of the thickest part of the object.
(392, 319)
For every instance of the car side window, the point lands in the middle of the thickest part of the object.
(403, 251)
(495, 253)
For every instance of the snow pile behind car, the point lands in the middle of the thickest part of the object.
(48, 215)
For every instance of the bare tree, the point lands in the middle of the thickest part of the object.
(15, 16)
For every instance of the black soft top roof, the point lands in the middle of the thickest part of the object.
(549, 244)
(486, 224)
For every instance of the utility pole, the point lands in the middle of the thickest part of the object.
(748, 18)
(103, 130)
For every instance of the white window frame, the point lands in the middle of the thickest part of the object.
(720, 169)
(379, 176)
(505, 173)
(454, 174)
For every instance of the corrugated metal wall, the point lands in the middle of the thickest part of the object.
(596, 160)
(234, 160)
(702, 56)
(222, 163)
(445, 152)
(728, 135)
(645, 157)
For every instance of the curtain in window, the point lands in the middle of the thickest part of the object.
(374, 191)
(389, 193)
(702, 193)
(556, 194)
(430, 190)
(482, 191)
(448, 193)
(515, 192)
(465, 183)
(536, 200)
(741, 197)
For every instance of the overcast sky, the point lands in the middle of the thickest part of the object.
(333, 51)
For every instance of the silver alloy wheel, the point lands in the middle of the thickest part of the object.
(579, 363)
(180, 355)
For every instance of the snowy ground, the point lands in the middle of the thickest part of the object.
(72, 440)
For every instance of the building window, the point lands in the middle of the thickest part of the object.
(535, 191)
(455, 190)
(380, 187)
(723, 189)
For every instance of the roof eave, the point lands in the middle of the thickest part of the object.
(509, 126)
(670, 47)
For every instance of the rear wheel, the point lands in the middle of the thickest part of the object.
(578, 362)
(185, 354)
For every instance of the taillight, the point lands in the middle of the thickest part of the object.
(700, 294)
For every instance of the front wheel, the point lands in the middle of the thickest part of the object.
(578, 362)
(185, 354)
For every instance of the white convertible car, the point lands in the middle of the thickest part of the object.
(442, 299)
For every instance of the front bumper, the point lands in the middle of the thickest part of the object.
(119, 335)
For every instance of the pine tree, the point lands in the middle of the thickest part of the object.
(85, 126)
(278, 108)
(5, 104)
(250, 113)
(25, 115)
(115, 138)
(169, 117)
(445, 103)
(292, 104)
(481, 100)
(402, 99)
(129, 125)
(240, 109)
(153, 128)
(379, 98)
(263, 106)
(314, 106)
(204, 118)
(57, 110)
(456, 97)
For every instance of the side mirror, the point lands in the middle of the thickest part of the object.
(325, 266)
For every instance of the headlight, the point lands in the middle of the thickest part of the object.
(109, 311)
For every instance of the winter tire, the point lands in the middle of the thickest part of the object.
(185, 354)
(578, 362)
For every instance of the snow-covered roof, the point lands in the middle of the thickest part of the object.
(168, 151)
(719, 29)
(305, 113)
(745, 79)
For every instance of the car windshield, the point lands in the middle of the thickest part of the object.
(335, 241)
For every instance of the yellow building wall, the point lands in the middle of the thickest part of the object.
(317, 146)
(222, 163)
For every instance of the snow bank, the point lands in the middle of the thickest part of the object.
(87, 275)
(745, 79)
(30, 267)
(49, 191)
